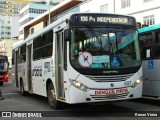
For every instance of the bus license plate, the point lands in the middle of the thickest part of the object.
(111, 91)
(111, 96)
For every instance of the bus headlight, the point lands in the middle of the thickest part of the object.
(79, 85)
(137, 82)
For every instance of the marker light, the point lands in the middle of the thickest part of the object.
(79, 85)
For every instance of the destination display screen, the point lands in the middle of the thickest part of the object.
(102, 19)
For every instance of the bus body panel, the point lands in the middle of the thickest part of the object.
(151, 78)
(4, 77)
(45, 70)
(4, 69)
(98, 91)
(78, 96)
(150, 44)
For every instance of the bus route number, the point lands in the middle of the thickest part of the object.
(37, 72)
(84, 18)
(127, 83)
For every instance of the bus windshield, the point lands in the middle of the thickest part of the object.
(104, 48)
(3, 64)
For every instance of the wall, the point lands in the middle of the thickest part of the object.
(94, 6)
(14, 26)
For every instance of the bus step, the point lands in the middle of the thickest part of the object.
(62, 98)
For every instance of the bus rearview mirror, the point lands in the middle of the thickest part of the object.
(67, 34)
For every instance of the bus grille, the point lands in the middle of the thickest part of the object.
(110, 78)
(109, 97)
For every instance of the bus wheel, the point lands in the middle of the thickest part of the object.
(1, 83)
(22, 88)
(52, 97)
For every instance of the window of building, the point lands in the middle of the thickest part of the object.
(149, 20)
(104, 8)
(147, 0)
(32, 30)
(21, 32)
(8, 33)
(125, 3)
(25, 21)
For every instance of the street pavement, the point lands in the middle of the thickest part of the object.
(14, 101)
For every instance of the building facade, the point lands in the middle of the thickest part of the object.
(6, 48)
(145, 11)
(5, 28)
(11, 21)
(9, 15)
(28, 13)
(51, 15)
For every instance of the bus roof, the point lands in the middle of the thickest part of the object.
(30, 37)
(150, 28)
(56, 23)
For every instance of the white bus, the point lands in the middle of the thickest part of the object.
(81, 58)
(150, 43)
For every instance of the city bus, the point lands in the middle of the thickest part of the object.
(4, 67)
(150, 45)
(81, 58)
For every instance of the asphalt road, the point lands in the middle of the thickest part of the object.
(15, 102)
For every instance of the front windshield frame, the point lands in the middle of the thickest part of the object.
(105, 57)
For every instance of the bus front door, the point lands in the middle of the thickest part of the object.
(59, 66)
(16, 68)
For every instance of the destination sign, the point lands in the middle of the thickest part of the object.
(101, 20)
(122, 20)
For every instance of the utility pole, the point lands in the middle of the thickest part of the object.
(49, 16)
(49, 13)
(114, 6)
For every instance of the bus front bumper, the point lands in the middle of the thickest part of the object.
(103, 95)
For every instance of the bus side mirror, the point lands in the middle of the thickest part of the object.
(67, 34)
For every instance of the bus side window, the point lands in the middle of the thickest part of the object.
(157, 36)
(157, 53)
(147, 38)
(146, 52)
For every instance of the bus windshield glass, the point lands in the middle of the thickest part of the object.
(104, 48)
(3, 64)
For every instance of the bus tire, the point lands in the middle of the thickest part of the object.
(1, 83)
(23, 92)
(53, 103)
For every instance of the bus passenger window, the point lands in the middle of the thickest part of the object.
(157, 53)
(146, 52)
(159, 38)
(148, 39)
